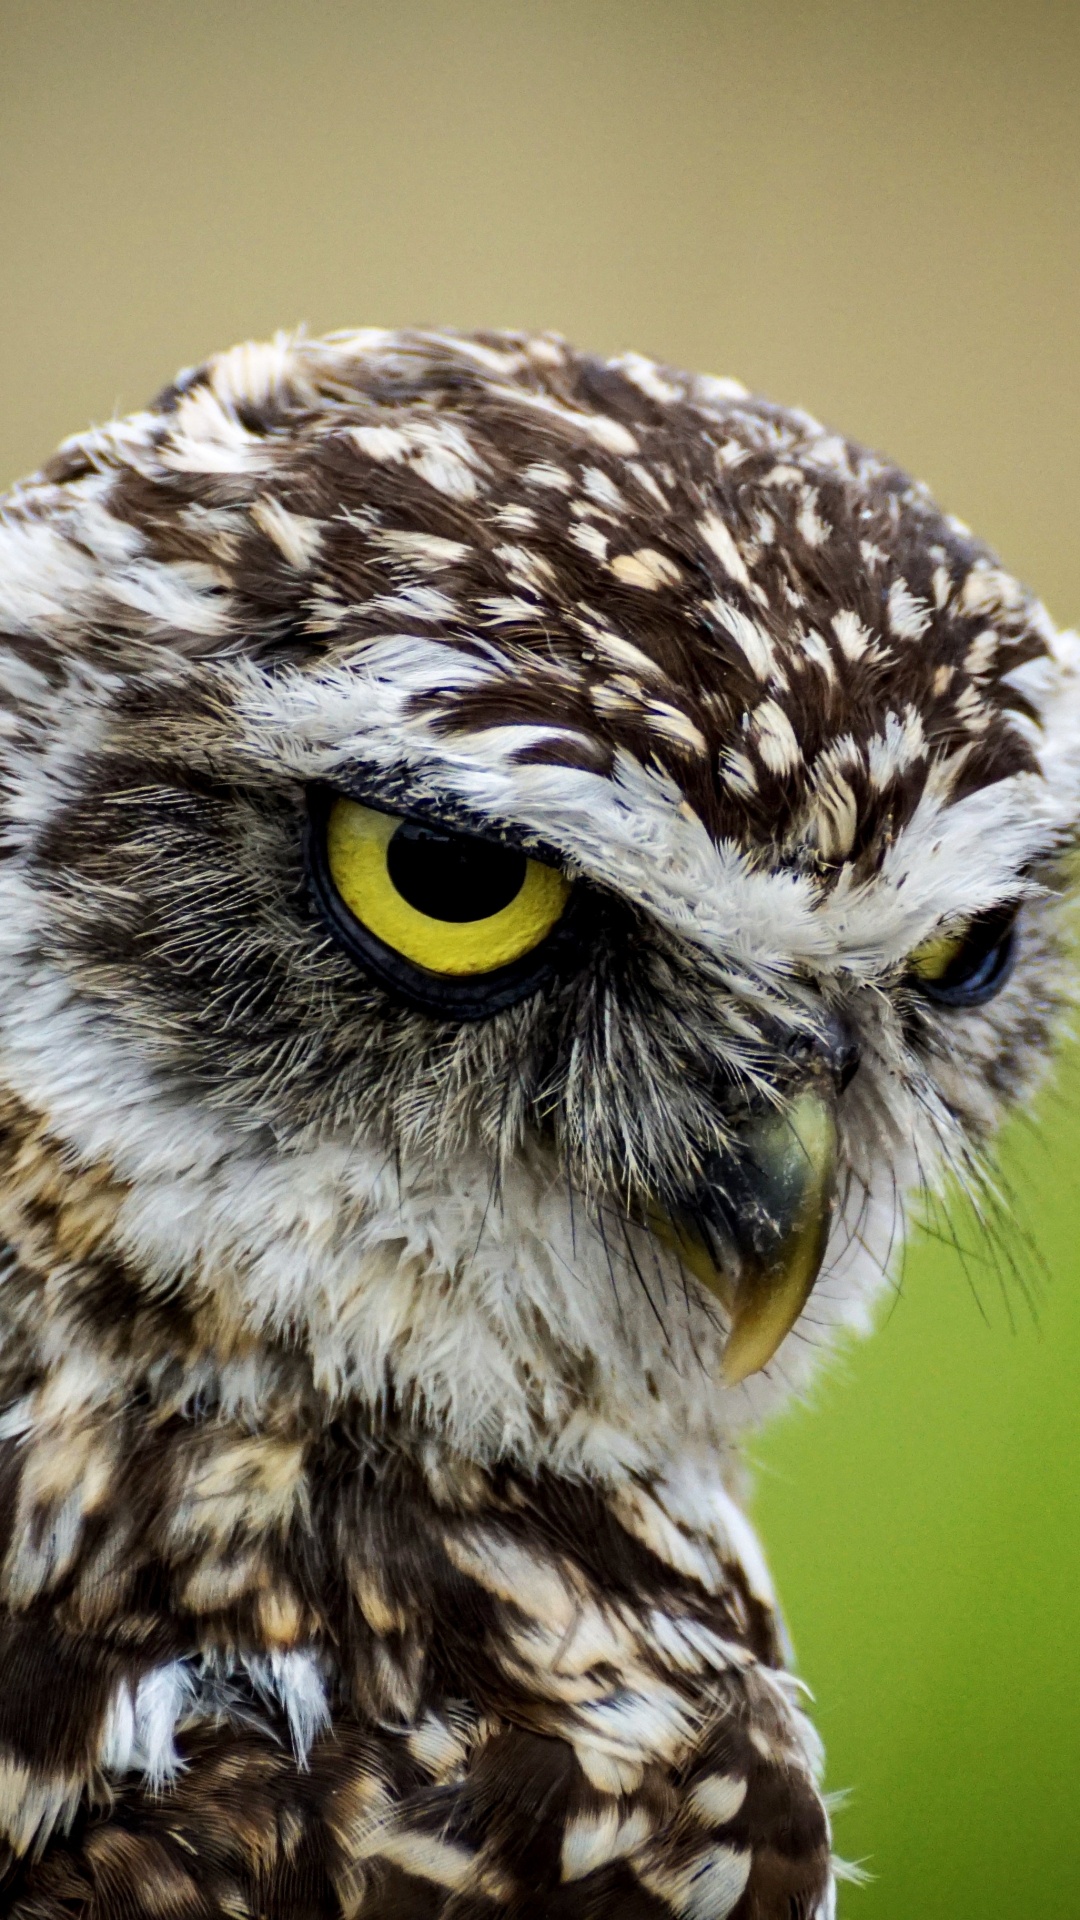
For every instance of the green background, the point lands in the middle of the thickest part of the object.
(872, 210)
(923, 1522)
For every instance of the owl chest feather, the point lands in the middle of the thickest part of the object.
(300, 1665)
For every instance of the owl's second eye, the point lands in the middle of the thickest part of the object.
(449, 921)
(966, 967)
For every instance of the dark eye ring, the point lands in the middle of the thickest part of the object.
(967, 968)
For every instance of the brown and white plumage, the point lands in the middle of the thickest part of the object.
(369, 1431)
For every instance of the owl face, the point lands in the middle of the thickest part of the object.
(516, 865)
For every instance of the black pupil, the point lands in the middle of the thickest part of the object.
(449, 876)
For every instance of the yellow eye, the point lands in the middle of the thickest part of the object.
(933, 959)
(966, 965)
(450, 903)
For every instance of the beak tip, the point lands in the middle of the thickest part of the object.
(741, 1359)
(735, 1375)
(767, 1291)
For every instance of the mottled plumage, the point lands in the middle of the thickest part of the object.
(371, 1377)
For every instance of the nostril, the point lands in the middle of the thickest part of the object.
(839, 1050)
(845, 1066)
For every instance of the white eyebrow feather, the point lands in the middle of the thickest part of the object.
(633, 830)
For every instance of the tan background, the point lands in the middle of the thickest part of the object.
(870, 209)
(867, 208)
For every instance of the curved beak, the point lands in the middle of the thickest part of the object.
(761, 1228)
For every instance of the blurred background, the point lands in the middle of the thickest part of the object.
(868, 208)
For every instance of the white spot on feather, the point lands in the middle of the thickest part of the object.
(599, 487)
(141, 1726)
(543, 474)
(646, 568)
(589, 539)
(909, 616)
(438, 450)
(598, 427)
(775, 737)
(717, 536)
(980, 656)
(294, 1681)
(942, 585)
(739, 773)
(515, 518)
(295, 535)
(649, 482)
(672, 724)
(428, 552)
(852, 636)
(525, 569)
(412, 603)
(717, 1797)
(749, 637)
(815, 531)
(647, 378)
(707, 1887)
(716, 389)
(898, 746)
(423, 1855)
(140, 1729)
(989, 589)
(593, 1839)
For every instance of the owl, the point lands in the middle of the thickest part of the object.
(519, 869)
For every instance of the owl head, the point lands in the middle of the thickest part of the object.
(517, 867)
